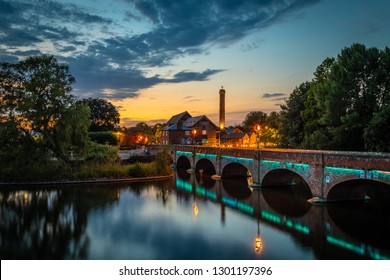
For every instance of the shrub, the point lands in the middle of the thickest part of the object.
(103, 137)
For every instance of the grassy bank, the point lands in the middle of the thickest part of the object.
(52, 171)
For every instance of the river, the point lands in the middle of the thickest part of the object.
(188, 217)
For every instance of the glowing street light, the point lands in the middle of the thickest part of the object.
(194, 136)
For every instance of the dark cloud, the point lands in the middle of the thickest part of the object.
(108, 63)
(185, 76)
(274, 95)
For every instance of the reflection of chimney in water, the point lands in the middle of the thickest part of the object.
(222, 109)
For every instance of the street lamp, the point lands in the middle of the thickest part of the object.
(257, 131)
(194, 136)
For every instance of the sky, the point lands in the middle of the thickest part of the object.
(155, 59)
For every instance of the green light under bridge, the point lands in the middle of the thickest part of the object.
(238, 159)
(206, 193)
(210, 156)
(346, 245)
(243, 207)
(184, 185)
(286, 222)
(187, 154)
(285, 165)
(344, 171)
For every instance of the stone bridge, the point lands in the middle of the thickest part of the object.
(321, 170)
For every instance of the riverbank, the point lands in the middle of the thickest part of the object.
(86, 182)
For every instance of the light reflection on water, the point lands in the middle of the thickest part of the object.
(188, 217)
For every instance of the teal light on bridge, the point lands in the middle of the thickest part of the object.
(206, 193)
(346, 245)
(184, 185)
(238, 159)
(286, 222)
(187, 154)
(285, 165)
(345, 171)
(384, 175)
(209, 156)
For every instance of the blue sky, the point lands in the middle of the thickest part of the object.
(154, 59)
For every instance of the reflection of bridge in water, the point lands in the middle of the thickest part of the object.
(287, 210)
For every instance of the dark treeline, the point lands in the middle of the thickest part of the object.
(345, 107)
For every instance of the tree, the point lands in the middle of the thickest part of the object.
(293, 125)
(253, 118)
(344, 105)
(357, 87)
(39, 118)
(104, 115)
(376, 136)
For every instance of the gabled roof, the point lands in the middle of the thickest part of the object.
(230, 130)
(174, 127)
(179, 117)
(191, 122)
(233, 136)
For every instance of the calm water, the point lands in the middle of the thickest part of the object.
(188, 217)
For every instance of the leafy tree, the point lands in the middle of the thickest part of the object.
(293, 125)
(104, 115)
(253, 118)
(357, 88)
(345, 106)
(376, 136)
(39, 118)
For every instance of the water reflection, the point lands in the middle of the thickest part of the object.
(190, 217)
(49, 223)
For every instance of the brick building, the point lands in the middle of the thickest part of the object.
(187, 130)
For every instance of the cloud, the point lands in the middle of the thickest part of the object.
(108, 59)
(274, 95)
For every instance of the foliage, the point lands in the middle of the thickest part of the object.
(140, 134)
(102, 154)
(104, 115)
(293, 125)
(39, 118)
(103, 137)
(345, 105)
(253, 118)
(269, 137)
(140, 158)
(376, 135)
(163, 162)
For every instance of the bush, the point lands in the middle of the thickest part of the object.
(102, 154)
(139, 158)
(103, 137)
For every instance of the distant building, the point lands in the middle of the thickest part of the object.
(187, 130)
(235, 137)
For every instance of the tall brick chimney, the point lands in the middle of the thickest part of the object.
(222, 109)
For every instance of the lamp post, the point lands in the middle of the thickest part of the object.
(194, 136)
(257, 131)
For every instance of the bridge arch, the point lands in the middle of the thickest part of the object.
(236, 170)
(283, 177)
(352, 189)
(183, 163)
(206, 165)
